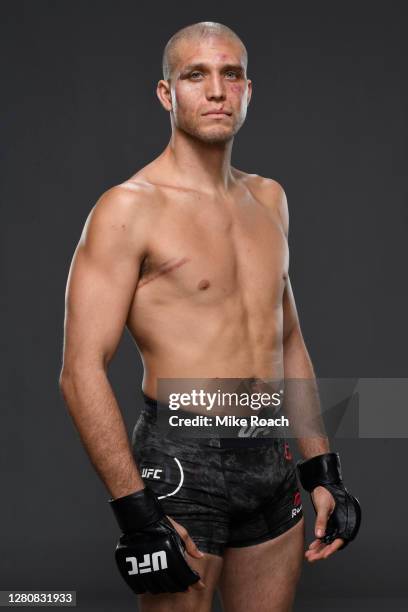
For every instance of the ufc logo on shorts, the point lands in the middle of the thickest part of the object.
(151, 563)
(253, 431)
(151, 473)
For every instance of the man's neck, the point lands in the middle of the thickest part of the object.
(199, 165)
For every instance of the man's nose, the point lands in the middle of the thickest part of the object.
(215, 88)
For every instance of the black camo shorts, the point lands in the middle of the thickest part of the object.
(226, 492)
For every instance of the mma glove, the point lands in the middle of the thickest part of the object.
(325, 471)
(150, 554)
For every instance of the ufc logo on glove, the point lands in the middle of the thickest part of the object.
(151, 563)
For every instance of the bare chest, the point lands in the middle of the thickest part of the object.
(208, 251)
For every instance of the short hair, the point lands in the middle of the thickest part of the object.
(203, 29)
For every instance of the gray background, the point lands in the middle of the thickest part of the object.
(79, 114)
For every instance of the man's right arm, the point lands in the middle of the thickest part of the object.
(101, 285)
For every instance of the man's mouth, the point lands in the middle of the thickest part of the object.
(217, 112)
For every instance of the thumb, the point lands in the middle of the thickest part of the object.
(322, 501)
(189, 545)
(322, 517)
(192, 549)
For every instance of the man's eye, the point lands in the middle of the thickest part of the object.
(195, 74)
(231, 73)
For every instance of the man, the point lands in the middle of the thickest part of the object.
(191, 255)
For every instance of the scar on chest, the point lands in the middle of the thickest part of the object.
(163, 268)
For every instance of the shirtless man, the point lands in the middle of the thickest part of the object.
(191, 255)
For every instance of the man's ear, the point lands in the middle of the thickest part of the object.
(249, 83)
(163, 92)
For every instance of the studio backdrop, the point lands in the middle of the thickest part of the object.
(328, 121)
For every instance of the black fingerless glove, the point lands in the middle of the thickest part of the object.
(150, 554)
(325, 470)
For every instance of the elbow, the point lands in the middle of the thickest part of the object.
(78, 374)
(62, 377)
(65, 382)
(70, 385)
(69, 379)
(292, 334)
(293, 341)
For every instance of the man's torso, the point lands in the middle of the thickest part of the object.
(208, 302)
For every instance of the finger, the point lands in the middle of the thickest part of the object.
(191, 548)
(198, 586)
(321, 522)
(316, 543)
(315, 546)
(314, 556)
(324, 551)
(333, 547)
(313, 553)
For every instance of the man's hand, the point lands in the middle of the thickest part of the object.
(338, 512)
(150, 554)
(324, 504)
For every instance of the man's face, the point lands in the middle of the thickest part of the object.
(210, 77)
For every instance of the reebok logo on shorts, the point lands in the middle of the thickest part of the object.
(297, 502)
(288, 454)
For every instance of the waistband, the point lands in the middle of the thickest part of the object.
(152, 406)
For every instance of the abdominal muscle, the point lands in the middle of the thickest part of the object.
(208, 339)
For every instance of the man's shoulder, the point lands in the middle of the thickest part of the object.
(121, 215)
(260, 183)
(269, 192)
(130, 199)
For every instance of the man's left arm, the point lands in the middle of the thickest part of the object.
(337, 512)
(301, 392)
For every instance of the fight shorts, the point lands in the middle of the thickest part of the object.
(224, 491)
